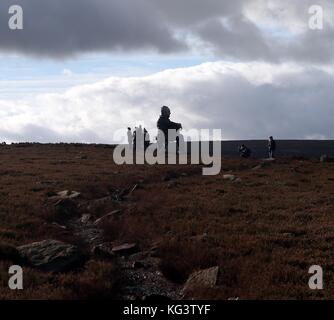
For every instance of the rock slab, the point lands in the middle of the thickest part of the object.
(202, 279)
(51, 255)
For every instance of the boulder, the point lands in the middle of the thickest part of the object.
(52, 255)
(202, 279)
(126, 249)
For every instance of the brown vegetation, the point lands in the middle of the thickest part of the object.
(264, 231)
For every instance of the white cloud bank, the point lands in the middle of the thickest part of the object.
(247, 101)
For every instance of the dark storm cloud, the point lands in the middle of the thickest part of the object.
(239, 38)
(188, 13)
(62, 28)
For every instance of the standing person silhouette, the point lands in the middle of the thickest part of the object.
(130, 137)
(134, 137)
(271, 147)
(164, 125)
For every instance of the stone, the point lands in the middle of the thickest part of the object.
(288, 235)
(52, 256)
(230, 177)
(107, 218)
(67, 194)
(126, 249)
(202, 279)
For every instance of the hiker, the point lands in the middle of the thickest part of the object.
(138, 139)
(130, 137)
(244, 151)
(164, 124)
(271, 147)
(134, 138)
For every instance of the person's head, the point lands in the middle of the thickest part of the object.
(129, 129)
(271, 138)
(165, 111)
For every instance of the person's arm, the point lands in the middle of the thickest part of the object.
(174, 125)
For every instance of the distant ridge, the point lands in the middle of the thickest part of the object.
(285, 148)
(305, 148)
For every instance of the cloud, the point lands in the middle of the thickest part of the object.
(67, 72)
(253, 30)
(60, 29)
(247, 101)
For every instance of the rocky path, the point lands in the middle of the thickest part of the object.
(139, 276)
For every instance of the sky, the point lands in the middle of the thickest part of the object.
(82, 70)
